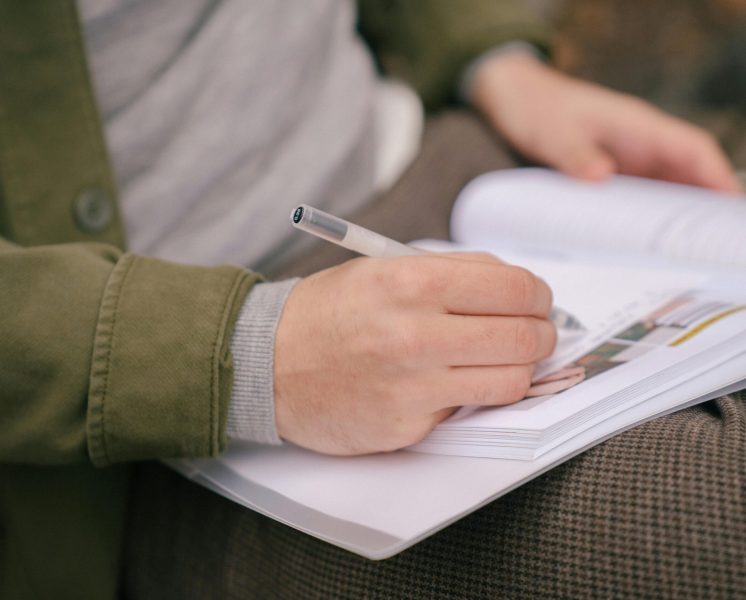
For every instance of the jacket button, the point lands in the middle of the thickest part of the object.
(93, 210)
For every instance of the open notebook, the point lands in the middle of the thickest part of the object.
(655, 272)
(648, 327)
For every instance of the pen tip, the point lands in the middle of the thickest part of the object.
(297, 215)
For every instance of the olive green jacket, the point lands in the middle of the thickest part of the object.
(106, 357)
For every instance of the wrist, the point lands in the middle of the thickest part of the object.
(516, 93)
(498, 54)
(251, 413)
(502, 75)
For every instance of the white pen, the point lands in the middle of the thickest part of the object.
(369, 243)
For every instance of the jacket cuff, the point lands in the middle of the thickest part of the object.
(251, 415)
(161, 369)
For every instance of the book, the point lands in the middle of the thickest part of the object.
(655, 273)
(647, 328)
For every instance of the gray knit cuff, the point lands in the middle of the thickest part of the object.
(251, 414)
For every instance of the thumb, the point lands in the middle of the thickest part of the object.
(582, 158)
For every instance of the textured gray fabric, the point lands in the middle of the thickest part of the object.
(251, 414)
(221, 114)
(657, 512)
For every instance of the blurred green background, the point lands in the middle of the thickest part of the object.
(687, 56)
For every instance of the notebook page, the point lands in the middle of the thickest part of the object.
(626, 215)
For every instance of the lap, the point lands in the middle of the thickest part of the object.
(655, 512)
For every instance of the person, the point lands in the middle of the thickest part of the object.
(216, 125)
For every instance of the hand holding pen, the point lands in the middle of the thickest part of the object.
(370, 355)
(369, 243)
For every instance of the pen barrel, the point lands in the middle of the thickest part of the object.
(361, 240)
(370, 243)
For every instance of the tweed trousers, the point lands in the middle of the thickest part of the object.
(656, 512)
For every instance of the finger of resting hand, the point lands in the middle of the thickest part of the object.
(482, 386)
(691, 156)
(478, 287)
(458, 340)
(578, 155)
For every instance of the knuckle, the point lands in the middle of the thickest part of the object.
(546, 295)
(521, 286)
(415, 279)
(526, 339)
(482, 395)
(517, 384)
(432, 281)
(552, 330)
(491, 335)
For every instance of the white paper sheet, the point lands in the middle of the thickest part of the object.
(625, 215)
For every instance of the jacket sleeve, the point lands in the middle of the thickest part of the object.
(428, 43)
(111, 357)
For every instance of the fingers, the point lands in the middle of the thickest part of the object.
(470, 287)
(479, 341)
(498, 290)
(647, 142)
(557, 382)
(482, 386)
(693, 156)
(578, 155)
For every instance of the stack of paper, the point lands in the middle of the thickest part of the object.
(681, 339)
(612, 254)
